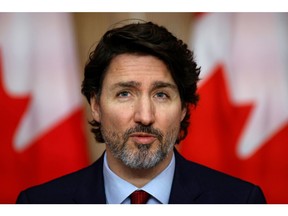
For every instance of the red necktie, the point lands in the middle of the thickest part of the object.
(139, 197)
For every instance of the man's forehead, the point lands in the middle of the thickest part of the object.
(137, 69)
(134, 61)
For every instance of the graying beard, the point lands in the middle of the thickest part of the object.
(143, 159)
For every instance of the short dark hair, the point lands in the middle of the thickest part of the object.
(145, 38)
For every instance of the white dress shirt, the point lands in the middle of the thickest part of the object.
(118, 190)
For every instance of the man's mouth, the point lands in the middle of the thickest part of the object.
(143, 138)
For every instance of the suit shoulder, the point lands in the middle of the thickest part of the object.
(58, 190)
(68, 179)
(206, 175)
(217, 186)
(211, 177)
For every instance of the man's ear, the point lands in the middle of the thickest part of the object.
(95, 108)
(183, 114)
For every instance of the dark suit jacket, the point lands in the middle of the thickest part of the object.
(192, 183)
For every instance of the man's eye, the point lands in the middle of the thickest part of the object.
(161, 95)
(123, 94)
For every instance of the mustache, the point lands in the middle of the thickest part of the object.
(144, 129)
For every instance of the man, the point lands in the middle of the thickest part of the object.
(140, 82)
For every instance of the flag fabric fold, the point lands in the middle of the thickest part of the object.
(241, 123)
(42, 131)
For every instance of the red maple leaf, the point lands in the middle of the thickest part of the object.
(11, 110)
(53, 154)
(216, 125)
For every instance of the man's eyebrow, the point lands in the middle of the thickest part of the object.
(127, 84)
(161, 84)
(134, 84)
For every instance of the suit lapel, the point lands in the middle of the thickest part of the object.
(185, 187)
(91, 189)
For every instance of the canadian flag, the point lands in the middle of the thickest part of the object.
(241, 123)
(42, 128)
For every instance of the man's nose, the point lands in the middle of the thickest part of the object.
(144, 111)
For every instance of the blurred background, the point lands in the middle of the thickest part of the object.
(240, 126)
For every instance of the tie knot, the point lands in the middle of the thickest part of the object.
(139, 197)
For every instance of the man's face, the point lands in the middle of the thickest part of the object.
(139, 110)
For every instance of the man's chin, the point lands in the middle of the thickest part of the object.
(143, 147)
(144, 157)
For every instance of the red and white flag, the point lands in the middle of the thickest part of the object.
(241, 123)
(41, 113)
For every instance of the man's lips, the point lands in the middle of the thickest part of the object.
(143, 138)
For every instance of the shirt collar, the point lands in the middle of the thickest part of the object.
(117, 189)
